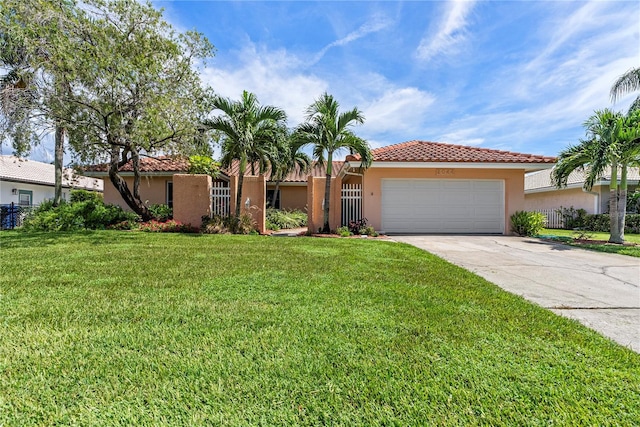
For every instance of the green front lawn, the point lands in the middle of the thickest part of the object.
(594, 235)
(127, 328)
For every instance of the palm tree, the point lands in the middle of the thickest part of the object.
(289, 158)
(328, 131)
(248, 134)
(627, 83)
(612, 143)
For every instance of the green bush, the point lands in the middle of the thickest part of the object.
(277, 219)
(204, 165)
(85, 196)
(573, 218)
(161, 212)
(228, 224)
(85, 210)
(602, 222)
(527, 223)
(344, 231)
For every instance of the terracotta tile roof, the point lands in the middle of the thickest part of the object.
(296, 175)
(424, 151)
(169, 164)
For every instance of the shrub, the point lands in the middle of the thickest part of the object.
(573, 218)
(527, 223)
(86, 210)
(633, 201)
(228, 224)
(170, 226)
(277, 219)
(84, 196)
(161, 212)
(343, 231)
(204, 165)
(358, 226)
(601, 222)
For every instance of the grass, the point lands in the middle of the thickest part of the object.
(568, 236)
(126, 328)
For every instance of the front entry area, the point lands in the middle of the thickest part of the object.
(443, 206)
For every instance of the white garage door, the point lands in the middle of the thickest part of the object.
(442, 206)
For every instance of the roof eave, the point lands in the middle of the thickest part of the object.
(457, 165)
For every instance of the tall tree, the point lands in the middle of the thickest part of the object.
(611, 145)
(130, 84)
(19, 84)
(627, 83)
(329, 132)
(249, 132)
(289, 158)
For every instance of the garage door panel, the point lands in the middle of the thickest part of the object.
(442, 206)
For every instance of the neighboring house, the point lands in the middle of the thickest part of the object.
(428, 187)
(28, 182)
(412, 187)
(542, 195)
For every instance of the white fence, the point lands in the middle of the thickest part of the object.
(351, 203)
(220, 199)
(554, 217)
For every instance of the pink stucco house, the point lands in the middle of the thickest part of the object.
(412, 187)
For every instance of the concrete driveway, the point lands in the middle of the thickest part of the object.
(602, 291)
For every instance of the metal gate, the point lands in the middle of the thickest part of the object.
(220, 199)
(351, 203)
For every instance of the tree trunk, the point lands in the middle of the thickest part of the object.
(58, 163)
(622, 202)
(121, 185)
(274, 199)
(239, 195)
(614, 230)
(327, 194)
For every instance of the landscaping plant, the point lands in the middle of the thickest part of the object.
(527, 223)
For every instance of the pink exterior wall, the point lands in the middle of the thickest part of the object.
(153, 190)
(566, 197)
(372, 185)
(254, 189)
(191, 198)
(315, 195)
(293, 197)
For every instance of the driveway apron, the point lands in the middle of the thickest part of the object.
(600, 290)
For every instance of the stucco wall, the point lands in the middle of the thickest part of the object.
(372, 183)
(292, 196)
(315, 196)
(192, 198)
(153, 190)
(40, 192)
(566, 197)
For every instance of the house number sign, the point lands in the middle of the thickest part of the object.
(444, 172)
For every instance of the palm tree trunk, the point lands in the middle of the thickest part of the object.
(622, 202)
(327, 194)
(58, 163)
(239, 195)
(274, 199)
(614, 230)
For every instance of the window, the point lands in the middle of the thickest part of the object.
(25, 197)
(270, 198)
(170, 194)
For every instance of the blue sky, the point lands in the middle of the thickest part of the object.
(513, 75)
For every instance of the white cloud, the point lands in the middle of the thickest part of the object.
(377, 23)
(397, 110)
(275, 77)
(450, 34)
